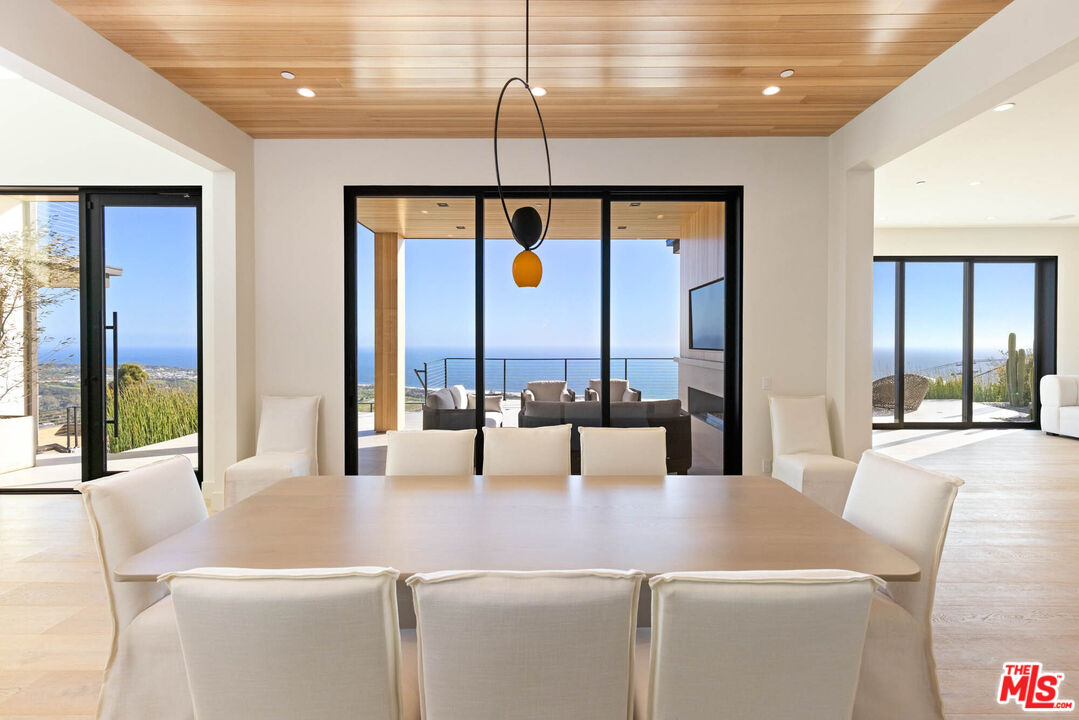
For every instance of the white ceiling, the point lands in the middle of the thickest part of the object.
(1026, 159)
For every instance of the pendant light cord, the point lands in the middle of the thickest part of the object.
(526, 41)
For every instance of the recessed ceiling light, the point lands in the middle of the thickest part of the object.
(1004, 106)
(460, 227)
(443, 204)
(539, 91)
(306, 92)
(659, 217)
(621, 227)
(975, 182)
(634, 204)
(919, 182)
(288, 75)
(1061, 217)
(770, 90)
(423, 211)
(786, 73)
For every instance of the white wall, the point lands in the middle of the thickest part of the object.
(299, 232)
(1060, 242)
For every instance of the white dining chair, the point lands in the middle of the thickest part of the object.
(286, 644)
(431, 452)
(762, 645)
(287, 447)
(527, 451)
(129, 512)
(802, 454)
(623, 451)
(526, 645)
(908, 508)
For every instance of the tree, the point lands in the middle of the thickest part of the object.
(131, 374)
(33, 260)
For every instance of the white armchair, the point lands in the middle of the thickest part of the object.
(1060, 404)
(802, 451)
(287, 447)
(620, 391)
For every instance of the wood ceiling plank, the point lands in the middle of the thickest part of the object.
(432, 68)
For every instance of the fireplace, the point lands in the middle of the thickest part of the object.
(706, 407)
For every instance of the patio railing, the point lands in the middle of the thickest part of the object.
(655, 377)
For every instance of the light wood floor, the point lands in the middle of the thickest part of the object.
(1009, 580)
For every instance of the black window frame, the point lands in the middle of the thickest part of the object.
(1045, 336)
(732, 197)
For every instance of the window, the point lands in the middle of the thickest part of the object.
(971, 335)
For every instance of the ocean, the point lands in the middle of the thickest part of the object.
(651, 371)
(184, 358)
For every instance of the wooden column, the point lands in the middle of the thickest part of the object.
(389, 331)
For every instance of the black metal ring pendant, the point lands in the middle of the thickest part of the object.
(547, 151)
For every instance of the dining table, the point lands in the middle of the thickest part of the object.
(654, 524)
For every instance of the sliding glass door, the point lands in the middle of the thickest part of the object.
(961, 342)
(604, 338)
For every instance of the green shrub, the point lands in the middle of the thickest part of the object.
(150, 414)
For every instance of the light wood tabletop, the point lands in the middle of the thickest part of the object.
(414, 524)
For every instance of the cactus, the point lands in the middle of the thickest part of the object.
(1017, 372)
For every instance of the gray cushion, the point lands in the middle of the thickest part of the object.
(544, 409)
(663, 408)
(441, 399)
(587, 411)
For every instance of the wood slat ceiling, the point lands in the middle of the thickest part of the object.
(571, 219)
(613, 68)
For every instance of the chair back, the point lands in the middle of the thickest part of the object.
(289, 424)
(908, 508)
(547, 389)
(286, 644)
(618, 388)
(431, 452)
(623, 451)
(758, 645)
(527, 451)
(799, 425)
(526, 645)
(131, 511)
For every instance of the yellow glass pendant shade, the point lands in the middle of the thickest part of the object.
(527, 269)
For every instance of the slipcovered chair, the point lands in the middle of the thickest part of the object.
(287, 447)
(802, 451)
(285, 644)
(759, 645)
(908, 508)
(550, 390)
(129, 512)
(620, 391)
(431, 452)
(527, 451)
(623, 451)
(526, 645)
(1059, 396)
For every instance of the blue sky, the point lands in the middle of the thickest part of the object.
(156, 296)
(1003, 303)
(561, 315)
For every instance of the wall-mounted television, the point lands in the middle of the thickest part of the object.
(707, 316)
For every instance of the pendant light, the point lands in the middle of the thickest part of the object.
(528, 229)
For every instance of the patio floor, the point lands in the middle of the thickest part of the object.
(64, 470)
(951, 411)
